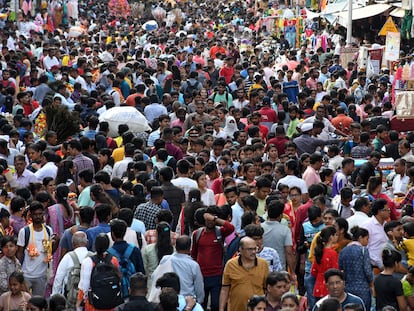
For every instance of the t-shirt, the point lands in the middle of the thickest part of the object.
(387, 289)
(18, 302)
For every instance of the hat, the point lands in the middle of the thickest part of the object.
(88, 74)
(306, 127)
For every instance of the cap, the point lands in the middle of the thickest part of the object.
(306, 127)
(88, 74)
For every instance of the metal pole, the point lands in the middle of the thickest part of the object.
(349, 24)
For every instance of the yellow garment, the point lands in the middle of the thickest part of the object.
(408, 246)
(65, 61)
(118, 140)
(118, 154)
(129, 82)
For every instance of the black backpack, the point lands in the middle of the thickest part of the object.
(191, 87)
(105, 287)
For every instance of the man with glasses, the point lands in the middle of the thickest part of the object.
(377, 236)
(335, 282)
(243, 277)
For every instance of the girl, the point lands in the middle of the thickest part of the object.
(15, 298)
(304, 162)
(8, 263)
(34, 154)
(388, 290)
(343, 236)
(153, 253)
(65, 172)
(325, 258)
(271, 154)
(207, 195)
(105, 160)
(49, 185)
(374, 191)
(355, 262)
(256, 303)
(295, 200)
(291, 301)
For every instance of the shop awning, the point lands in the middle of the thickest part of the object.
(397, 12)
(361, 13)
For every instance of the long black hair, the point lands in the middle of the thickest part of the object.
(163, 245)
(323, 238)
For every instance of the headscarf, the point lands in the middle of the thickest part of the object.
(230, 127)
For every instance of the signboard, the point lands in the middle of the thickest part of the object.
(347, 54)
(375, 57)
(389, 26)
(392, 46)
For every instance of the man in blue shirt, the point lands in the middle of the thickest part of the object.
(103, 213)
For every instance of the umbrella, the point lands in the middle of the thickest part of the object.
(75, 31)
(150, 25)
(124, 115)
(181, 32)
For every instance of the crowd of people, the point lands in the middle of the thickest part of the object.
(259, 187)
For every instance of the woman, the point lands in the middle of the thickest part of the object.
(389, 290)
(199, 164)
(207, 195)
(249, 174)
(271, 154)
(153, 253)
(325, 258)
(256, 303)
(105, 160)
(194, 203)
(295, 200)
(304, 162)
(208, 140)
(344, 237)
(34, 153)
(220, 198)
(65, 172)
(290, 301)
(101, 246)
(354, 260)
(230, 127)
(49, 185)
(99, 196)
(374, 191)
(327, 175)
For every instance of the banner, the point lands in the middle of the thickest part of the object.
(392, 46)
(375, 56)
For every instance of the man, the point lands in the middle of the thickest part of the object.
(104, 215)
(49, 168)
(23, 177)
(174, 151)
(138, 293)
(243, 277)
(121, 167)
(255, 119)
(80, 161)
(34, 238)
(183, 181)
(262, 190)
(400, 181)
(7, 153)
(207, 250)
(368, 169)
(126, 252)
(378, 141)
(335, 282)
(69, 261)
(291, 87)
(377, 237)
(191, 279)
(328, 127)
(85, 183)
(279, 140)
(404, 149)
(362, 209)
(395, 233)
(342, 122)
(155, 109)
(278, 236)
(311, 174)
(172, 194)
(291, 167)
(276, 285)
(344, 207)
(164, 121)
(147, 212)
(341, 178)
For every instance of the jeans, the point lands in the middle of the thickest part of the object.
(212, 287)
(309, 285)
(38, 285)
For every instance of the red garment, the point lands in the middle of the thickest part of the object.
(263, 131)
(227, 73)
(301, 216)
(208, 252)
(394, 215)
(343, 123)
(279, 142)
(217, 185)
(329, 260)
(215, 49)
(268, 115)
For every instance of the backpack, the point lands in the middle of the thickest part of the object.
(105, 286)
(126, 266)
(229, 251)
(215, 94)
(191, 88)
(71, 288)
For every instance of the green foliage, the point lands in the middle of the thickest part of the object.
(62, 121)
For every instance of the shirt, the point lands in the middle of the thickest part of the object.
(277, 236)
(25, 179)
(311, 176)
(93, 232)
(82, 163)
(377, 240)
(121, 167)
(7, 267)
(357, 219)
(147, 213)
(272, 258)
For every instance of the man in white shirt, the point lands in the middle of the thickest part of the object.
(80, 243)
(49, 168)
(23, 177)
(361, 210)
(50, 60)
(121, 167)
(75, 75)
(183, 181)
(400, 181)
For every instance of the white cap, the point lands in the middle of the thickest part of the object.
(306, 127)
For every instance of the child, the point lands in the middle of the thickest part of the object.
(15, 298)
(8, 263)
(408, 244)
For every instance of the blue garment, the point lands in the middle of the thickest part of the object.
(291, 88)
(138, 226)
(136, 258)
(290, 35)
(66, 240)
(125, 89)
(93, 232)
(309, 231)
(355, 262)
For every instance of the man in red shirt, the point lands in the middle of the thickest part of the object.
(269, 116)
(218, 48)
(207, 249)
(227, 71)
(7, 82)
(342, 122)
(280, 140)
(255, 121)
